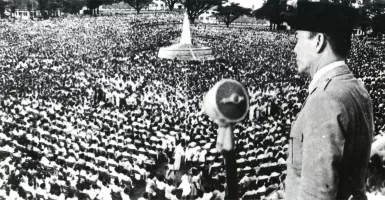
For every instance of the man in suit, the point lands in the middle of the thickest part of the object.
(330, 140)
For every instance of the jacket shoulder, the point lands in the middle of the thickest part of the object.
(342, 89)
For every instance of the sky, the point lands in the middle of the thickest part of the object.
(249, 3)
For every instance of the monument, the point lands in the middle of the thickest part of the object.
(185, 50)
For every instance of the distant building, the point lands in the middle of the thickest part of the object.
(160, 5)
(115, 6)
(208, 16)
(157, 5)
(356, 4)
(178, 6)
(23, 13)
(358, 31)
(84, 9)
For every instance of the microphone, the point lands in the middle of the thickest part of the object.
(226, 103)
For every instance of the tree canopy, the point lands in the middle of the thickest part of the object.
(378, 24)
(198, 7)
(3, 5)
(229, 14)
(93, 5)
(170, 3)
(272, 10)
(47, 7)
(375, 12)
(138, 4)
(73, 6)
(277, 11)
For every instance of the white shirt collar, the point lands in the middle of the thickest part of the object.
(323, 71)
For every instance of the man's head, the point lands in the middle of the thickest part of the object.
(312, 48)
(323, 34)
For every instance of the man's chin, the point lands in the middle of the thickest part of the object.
(303, 72)
(299, 69)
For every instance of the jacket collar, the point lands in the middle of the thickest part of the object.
(326, 77)
(320, 73)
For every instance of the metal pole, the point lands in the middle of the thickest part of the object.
(226, 142)
(231, 174)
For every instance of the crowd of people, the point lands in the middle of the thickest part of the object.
(88, 110)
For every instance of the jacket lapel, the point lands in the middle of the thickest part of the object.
(341, 70)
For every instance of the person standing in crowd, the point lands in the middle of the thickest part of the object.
(179, 153)
(330, 140)
(150, 184)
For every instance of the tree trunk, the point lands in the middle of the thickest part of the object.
(227, 24)
(271, 25)
(137, 11)
(2, 10)
(192, 20)
(98, 10)
(171, 7)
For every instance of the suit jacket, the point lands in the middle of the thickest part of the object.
(330, 140)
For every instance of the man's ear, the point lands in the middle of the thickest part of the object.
(320, 42)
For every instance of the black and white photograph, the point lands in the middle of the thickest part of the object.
(192, 99)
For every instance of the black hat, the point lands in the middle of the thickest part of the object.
(332, 19)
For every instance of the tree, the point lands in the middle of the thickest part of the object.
(376, 12)
(344, 2)
(3, 5)
(53, 6)
(21, 4)
(378, 24)
(273, 11)
(49, 7)
(170, 3)
(138, 4)
(73, 6)
(13, 6)
(29, 8)
(374, 8)
(93, 5)
(289, 15)
(229, 14)
(371, 15)
(198, 7)
(43, 7)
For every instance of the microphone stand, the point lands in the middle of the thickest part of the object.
(225, 144)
